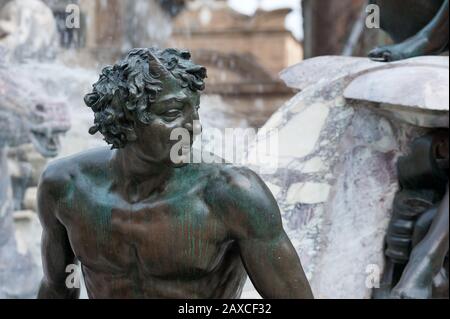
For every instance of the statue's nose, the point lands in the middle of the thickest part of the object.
(188, 126)
(193, 124)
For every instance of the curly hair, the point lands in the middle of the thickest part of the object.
(126, 90)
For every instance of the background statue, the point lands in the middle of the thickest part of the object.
(417, 237)
(418, 27)
(25, 117)
(142, 221)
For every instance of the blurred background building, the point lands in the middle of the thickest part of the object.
(243, 53)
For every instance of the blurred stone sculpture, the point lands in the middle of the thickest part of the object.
(25, 117)
(146, 222)
(418, 27)
(28, 30)
(336, 184)
(173, 7)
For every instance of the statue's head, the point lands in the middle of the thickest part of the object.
(28, 114)
(140, 100)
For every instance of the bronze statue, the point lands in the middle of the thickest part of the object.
(417, 240)
(418, 27)
(144, 227)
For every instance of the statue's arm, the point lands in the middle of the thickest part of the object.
(437, 30)
(427, 257)
(274, 267)
(57, 253)
(269, 257)
(432, 39)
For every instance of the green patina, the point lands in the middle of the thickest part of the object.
(96, 204)
(69, 192)
(192, 215)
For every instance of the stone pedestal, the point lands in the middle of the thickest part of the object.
(334, 175)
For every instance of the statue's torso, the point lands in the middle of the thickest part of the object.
(168, 246)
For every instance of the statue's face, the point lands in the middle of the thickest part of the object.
(32, 117)
(175, 108)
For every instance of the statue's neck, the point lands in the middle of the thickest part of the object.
(137, 176)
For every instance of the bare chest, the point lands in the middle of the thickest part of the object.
(174, 235)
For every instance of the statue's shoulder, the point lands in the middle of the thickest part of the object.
(244, 202)
(237, 182)
(60, 172)
(223, 174)
(238, 176)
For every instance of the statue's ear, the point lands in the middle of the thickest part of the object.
(130, 134)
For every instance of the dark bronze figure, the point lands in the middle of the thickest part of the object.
(417, 240)
(418, 27)
(143, 227)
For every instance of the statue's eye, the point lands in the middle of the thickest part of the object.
(172, 113)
